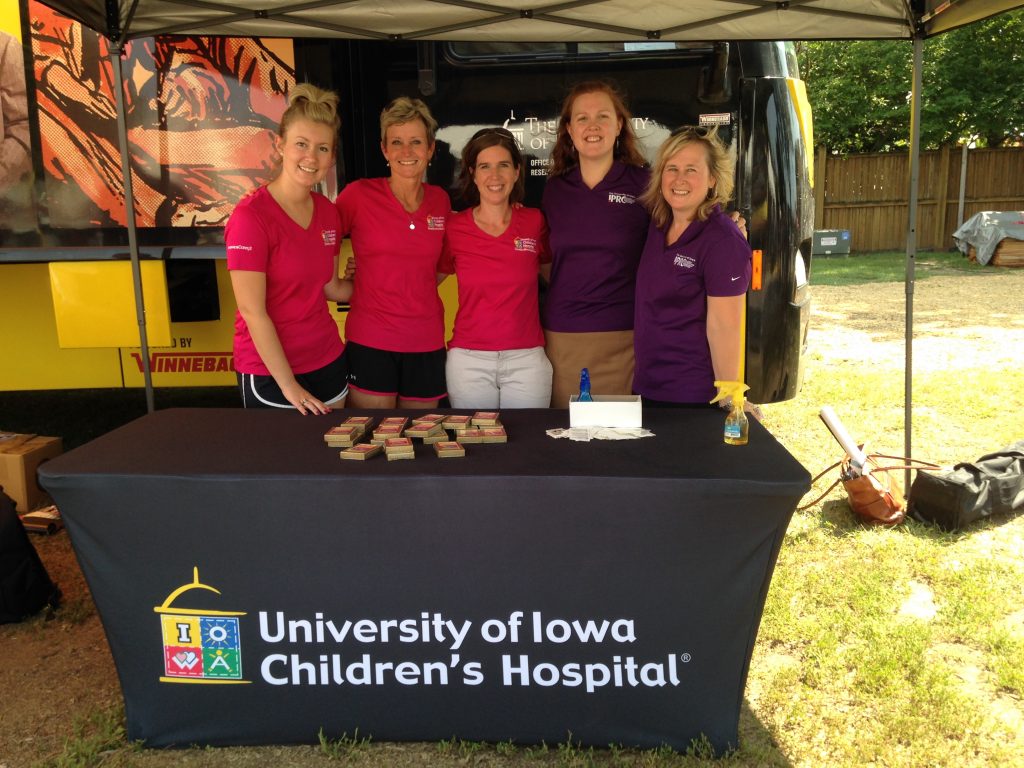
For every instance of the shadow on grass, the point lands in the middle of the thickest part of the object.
(81, 415)
(758, 741)
(840, 522)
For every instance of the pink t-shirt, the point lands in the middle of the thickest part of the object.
(498, 305)
(261, 237)
(395, 305)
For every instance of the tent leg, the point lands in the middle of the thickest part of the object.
(129, 204)
(915, 162)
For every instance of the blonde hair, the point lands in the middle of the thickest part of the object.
(721, 165)
(404, 110)
(307, 102)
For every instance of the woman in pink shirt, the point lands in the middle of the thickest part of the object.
(395, 327)
(496, 355)
(282, 251)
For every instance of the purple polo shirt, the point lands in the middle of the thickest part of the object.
(596, 239)
(673, 360)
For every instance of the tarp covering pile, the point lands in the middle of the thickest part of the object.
(996, 236)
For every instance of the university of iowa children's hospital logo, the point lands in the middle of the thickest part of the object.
(200, 646)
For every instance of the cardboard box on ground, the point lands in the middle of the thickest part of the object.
(20, 457)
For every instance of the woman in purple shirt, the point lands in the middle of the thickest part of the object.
(597, 228)
(693, 276)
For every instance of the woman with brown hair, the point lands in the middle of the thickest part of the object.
(496, 355)
(598, 228)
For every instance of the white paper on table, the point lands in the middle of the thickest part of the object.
(586, 434)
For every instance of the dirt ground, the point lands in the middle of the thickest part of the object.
(56, 670)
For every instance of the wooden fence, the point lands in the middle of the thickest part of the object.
(868, 194)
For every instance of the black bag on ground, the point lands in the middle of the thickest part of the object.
(991, 485)
(25, 586)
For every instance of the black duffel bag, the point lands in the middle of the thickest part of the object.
(991, 485)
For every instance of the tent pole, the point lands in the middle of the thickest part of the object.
(915, 162)
(129, 207)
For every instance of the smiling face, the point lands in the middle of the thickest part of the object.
(686, 179)
(495, 175)
(594, 125)
(407, 149)
(307, 152)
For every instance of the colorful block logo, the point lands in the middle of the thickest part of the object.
(200, 646)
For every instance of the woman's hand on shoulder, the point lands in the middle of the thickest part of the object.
(741, 224)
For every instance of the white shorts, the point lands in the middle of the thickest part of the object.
(512, 378)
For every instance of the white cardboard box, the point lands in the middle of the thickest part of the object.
(606, 411)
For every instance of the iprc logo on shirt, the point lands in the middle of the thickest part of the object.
(621, 197)
(525, 244)
(681, 260)
(199, 645)
(330, 236)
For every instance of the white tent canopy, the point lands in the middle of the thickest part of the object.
(547, 20)
(534, 20)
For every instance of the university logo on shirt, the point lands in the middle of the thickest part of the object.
(525, 244)
(330, 236)
(435, 223)
(199, 646)
(681, 260)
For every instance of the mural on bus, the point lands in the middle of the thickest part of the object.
(201, 116)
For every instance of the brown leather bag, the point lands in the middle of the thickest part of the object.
(875, 496)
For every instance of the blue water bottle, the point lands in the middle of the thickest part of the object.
(585, 387)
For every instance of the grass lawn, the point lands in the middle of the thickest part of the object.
(902, 646)
(887, 267)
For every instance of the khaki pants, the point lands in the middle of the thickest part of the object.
(608, 355)
(512, 378)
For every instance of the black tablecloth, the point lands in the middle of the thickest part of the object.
(255, 588)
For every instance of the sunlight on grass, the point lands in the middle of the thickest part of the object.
(902, 646)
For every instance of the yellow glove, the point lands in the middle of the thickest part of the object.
(730, 391)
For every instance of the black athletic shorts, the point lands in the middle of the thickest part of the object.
(328, 384)
(405, 375)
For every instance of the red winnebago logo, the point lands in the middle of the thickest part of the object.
(187, 362)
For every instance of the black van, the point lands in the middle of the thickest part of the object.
(751, 90)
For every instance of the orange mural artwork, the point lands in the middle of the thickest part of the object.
(201, 115)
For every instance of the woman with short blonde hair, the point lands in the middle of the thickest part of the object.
(395, 325)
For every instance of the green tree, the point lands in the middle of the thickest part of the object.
(860, 90)
(978, 76)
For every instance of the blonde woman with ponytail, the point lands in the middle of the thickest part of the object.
(282, 250)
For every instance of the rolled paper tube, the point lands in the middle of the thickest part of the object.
(857, 458)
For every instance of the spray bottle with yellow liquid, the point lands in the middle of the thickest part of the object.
(737, 426)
